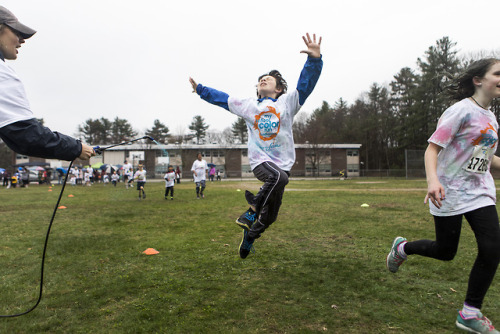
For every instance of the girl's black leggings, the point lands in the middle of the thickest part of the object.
(484, 224)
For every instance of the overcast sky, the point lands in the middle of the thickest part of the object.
(132, 59)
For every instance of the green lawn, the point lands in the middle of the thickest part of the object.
(319, 268)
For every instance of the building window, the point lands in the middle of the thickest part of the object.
(244, 152)
(352, 153)
(246, 168)
(352, 168)
(19, 156)
(161, 153)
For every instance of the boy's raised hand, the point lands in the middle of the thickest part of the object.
(313, 48)
(193, 84)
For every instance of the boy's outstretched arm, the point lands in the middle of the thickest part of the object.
(210, 95)
(312, 68)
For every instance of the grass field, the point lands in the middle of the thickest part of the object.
(319, 268)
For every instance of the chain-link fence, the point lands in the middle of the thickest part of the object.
(415, 165)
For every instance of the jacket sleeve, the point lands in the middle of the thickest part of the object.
(31, 138)
(213, 96)
(309, 77)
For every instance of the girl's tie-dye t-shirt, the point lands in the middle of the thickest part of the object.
(468, 135)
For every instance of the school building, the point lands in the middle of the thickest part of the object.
(231, 160)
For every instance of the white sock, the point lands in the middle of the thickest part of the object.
(401, 249)
(469, 312)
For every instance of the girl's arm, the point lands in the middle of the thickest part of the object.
(435, 191)
(495, 163)
(210, 95)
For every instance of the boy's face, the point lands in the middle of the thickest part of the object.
(266, 87)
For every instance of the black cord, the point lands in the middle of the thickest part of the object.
(98, 150)
(44, 250)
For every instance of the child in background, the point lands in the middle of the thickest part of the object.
(199, 170)
(114, 178)
(140, 176)
(129, 176)
(169, 182)
(105, 178)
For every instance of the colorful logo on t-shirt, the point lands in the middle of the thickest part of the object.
(488, 137)
(268, 124)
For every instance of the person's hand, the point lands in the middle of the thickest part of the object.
(313, 48)
(435, 193)
(87, 152)
(193, 84)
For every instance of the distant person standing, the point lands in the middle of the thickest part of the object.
(114, 178)
(140, 176)
(169, 182)
(6, 178)
(19, 128)
(178, 175)
(126, 172)
(199, 170)
(211, 174)
(458, 160)
(60, 176)
(25, 177)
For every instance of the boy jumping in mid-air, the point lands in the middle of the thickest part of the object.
(271, 150)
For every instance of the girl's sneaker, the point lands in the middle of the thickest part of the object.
(479, 324)
(394, 260)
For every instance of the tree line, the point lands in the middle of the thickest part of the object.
(387, 120)
(104, 131)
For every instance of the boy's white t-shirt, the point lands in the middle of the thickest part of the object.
(169, 179)
(14, 105)
(115, 177)
(140, 175)
(200, 167)
(269, 123)
(127, 166)
(468, 135)
(129, 173)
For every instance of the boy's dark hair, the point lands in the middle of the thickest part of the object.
(462, 85)
(280, 82)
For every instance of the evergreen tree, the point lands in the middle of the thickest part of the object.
(159, 131)
(95, 131)
(198, 127)
(439, 64)
(407, 125)
(121, 130)
(240, 130)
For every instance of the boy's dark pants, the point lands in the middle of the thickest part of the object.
(169, 189)
(268, 199)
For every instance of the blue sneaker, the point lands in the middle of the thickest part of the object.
(246, 220)
(479, 324)
(394, 260)
(246, 246)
